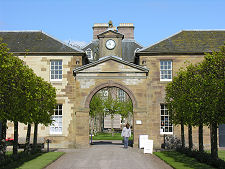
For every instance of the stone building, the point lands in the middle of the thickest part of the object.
(112, 59)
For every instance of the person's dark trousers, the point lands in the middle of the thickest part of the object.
(125, 142)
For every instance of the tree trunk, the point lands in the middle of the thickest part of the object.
(34, 147)
(15, 142)
(0, 131)
(182, 135)
(4, 127)
(213, 135)
(27, 145)
(112, 119)
(190, 141)
(200, 137)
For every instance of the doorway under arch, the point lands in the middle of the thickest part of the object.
(119, 122)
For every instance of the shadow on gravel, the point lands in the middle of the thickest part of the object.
(106, 142)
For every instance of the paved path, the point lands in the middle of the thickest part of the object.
(107, 156)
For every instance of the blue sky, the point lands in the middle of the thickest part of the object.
(72, 20)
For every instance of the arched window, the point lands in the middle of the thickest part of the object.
(89, 53)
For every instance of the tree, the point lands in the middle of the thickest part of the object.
(96, 109)
(213, 74)
(202, 99)
(175, 99)
(24, 97)
(45, 100)
(111, 107)
(13, 88)
(125, 109)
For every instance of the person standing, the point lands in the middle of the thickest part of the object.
(126, 133)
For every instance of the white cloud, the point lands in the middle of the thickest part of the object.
(77, 44)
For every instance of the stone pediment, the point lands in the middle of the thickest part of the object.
(111, 67)
(110, 34)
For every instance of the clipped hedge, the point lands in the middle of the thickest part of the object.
(13, 161)
(203, 157)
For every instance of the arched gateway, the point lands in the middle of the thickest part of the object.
(109, 72)
(110, 84)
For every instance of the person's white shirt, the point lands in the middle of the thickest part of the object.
(126, 132)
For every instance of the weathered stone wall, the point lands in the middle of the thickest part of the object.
(93, 79)
(146, 91)
(156, 95)
(65, 96)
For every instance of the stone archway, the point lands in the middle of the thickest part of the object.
(110, 84)
(82, 116)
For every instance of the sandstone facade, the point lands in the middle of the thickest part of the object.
(138, 74)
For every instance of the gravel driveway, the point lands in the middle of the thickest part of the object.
(107, 156)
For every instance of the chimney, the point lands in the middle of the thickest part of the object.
(127, 29)
(99, 28)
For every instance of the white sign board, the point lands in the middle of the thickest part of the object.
(138, 122)
(142, 139)
(148, 146)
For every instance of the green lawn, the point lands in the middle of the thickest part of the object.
(41, 161)
(180, 161)
(108, 136)
(221, 154)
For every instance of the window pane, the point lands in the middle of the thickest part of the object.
(60, 112)
(56, 112)
(166, 129)
(166, 112)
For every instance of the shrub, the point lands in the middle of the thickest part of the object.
(171, 142)
(203, 157)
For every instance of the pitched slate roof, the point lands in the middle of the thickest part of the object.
(128, 49)
(34, 41)
(189, 42)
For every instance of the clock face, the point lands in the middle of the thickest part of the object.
(110, 44)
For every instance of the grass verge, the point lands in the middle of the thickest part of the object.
(108, 136)
(41, 161)
(181, 161)
(30, 161)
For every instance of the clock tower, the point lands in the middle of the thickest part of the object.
(110, 42)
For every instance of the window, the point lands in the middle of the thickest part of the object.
(121, 95)
(56, 126)
(165, 70)
(89, 53)
(136, 50)
(166, 126)
(143, 62)
(56, 70)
